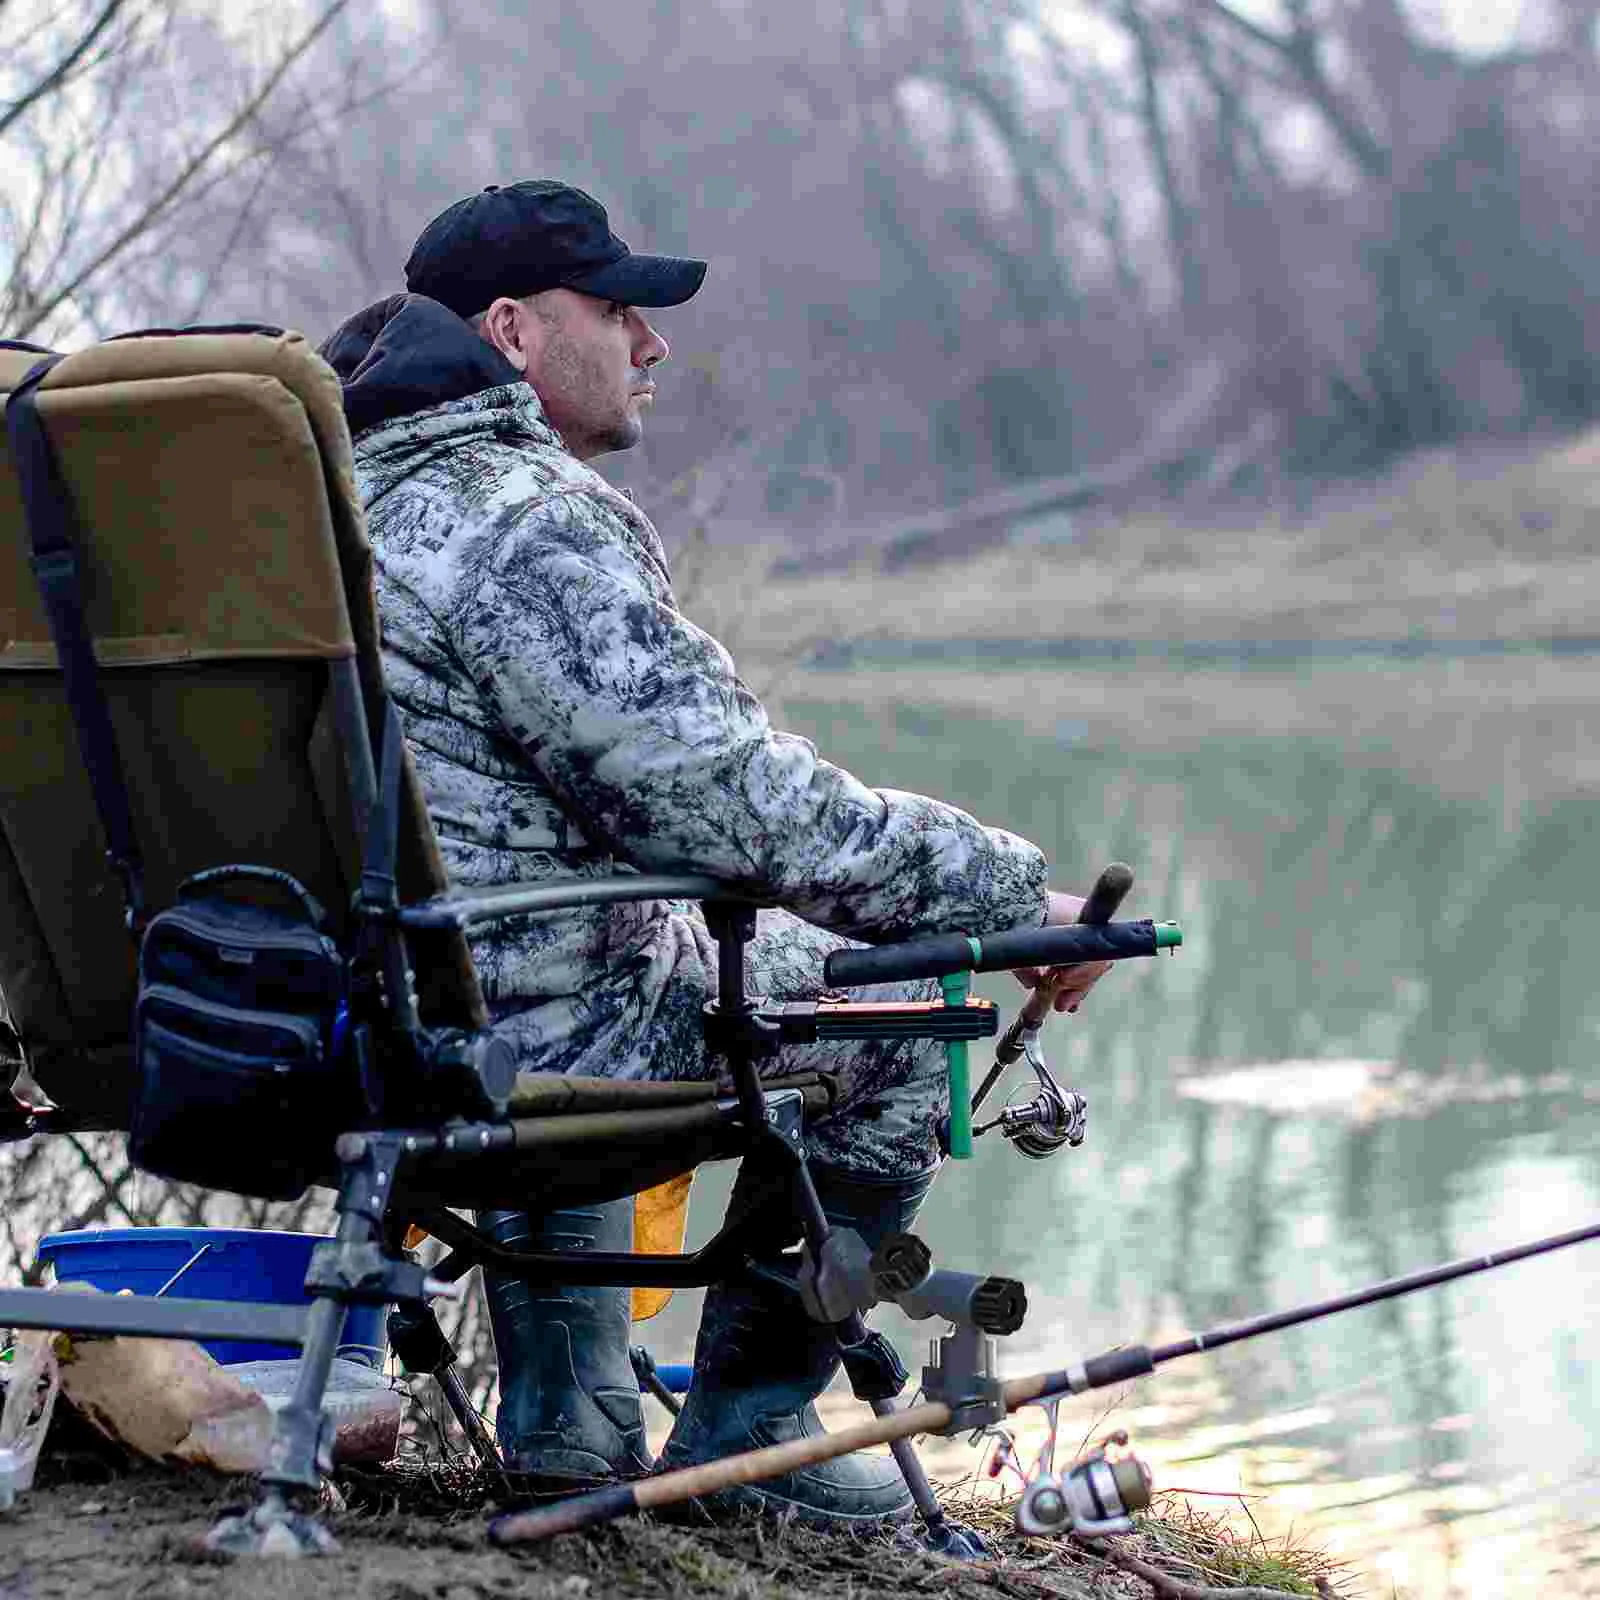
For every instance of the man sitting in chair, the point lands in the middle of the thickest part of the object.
(567, 719)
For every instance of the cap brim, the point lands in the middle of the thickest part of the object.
(638, 280)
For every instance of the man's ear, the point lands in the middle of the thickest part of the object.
(503, 328)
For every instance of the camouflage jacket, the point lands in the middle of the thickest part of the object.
(567, 719)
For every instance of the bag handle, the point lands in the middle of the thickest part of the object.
(273, 875)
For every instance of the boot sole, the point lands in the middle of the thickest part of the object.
(739, 1501)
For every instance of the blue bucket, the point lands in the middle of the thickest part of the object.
(248, 1264)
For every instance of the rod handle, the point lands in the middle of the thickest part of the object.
(1000, 952)
(1105, 899)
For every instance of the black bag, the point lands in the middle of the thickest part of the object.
(239, 1038)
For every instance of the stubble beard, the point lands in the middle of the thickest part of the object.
(597, 424)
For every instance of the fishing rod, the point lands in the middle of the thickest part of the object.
(1092, 1497)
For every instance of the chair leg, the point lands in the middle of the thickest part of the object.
(301, 1447)
(877, 1376)
(298, 1455)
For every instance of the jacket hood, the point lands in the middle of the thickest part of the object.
(408, 353)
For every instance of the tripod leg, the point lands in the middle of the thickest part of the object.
(472, 1425)
(420, 1344)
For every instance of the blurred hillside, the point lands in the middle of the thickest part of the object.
(1442, 619)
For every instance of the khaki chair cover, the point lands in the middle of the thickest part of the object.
(227, 584)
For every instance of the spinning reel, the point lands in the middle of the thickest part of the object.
(1054, 1118)
(1093, 1497)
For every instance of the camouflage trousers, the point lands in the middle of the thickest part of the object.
(632, 1006)
(894, 1091)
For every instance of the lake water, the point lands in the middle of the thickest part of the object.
(1376, 1052)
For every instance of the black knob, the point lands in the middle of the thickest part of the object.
(900, 1264)
(999, 1305)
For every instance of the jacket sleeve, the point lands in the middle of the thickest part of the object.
(636, 720)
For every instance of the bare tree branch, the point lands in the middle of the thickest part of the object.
(241, 221)
(188, 173)
(59, 74)
(1300, 50)
(1158, 139)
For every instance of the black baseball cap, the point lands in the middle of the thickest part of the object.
(538, 235)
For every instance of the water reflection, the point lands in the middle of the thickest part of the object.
(1374, 1053)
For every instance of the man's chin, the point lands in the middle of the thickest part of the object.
(626, 435)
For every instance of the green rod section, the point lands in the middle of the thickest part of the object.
(956, 986)
(1168, 936)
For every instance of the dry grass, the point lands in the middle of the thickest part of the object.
(1488, 545)
(1210, 1548)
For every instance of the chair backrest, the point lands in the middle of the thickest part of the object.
(227, 585)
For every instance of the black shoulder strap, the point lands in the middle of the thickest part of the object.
(52, 527)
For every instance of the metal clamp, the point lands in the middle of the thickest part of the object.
(361, 1274)
(960, 1374)
(838, 1282)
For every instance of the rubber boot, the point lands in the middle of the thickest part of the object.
(569, 1400)
(760, 1362)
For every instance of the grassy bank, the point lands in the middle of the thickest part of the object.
(1486, 545)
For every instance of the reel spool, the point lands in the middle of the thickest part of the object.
(1092, 1498)
(1054, 1118)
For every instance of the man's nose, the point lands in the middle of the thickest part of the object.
(649, 347)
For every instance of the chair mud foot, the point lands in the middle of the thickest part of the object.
(272, 1527)
(953, 1540)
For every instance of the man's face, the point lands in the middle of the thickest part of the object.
(589, 362)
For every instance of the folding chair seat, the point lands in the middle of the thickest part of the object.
(227, 585)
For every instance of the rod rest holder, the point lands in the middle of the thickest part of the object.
(845, 1279)
(808, 1021)
(903, 1271)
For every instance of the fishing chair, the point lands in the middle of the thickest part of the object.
(209, 824)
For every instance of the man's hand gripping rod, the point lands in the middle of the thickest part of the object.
(949, 957)
(1055, 1116)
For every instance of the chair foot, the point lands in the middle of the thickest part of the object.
(953, 1540)
(271, 1528)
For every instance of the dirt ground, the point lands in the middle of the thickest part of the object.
(96, 1527)
(140, 1535)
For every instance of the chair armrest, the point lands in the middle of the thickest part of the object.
(468, 911)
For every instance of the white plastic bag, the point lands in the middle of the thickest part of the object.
(32, 1385)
